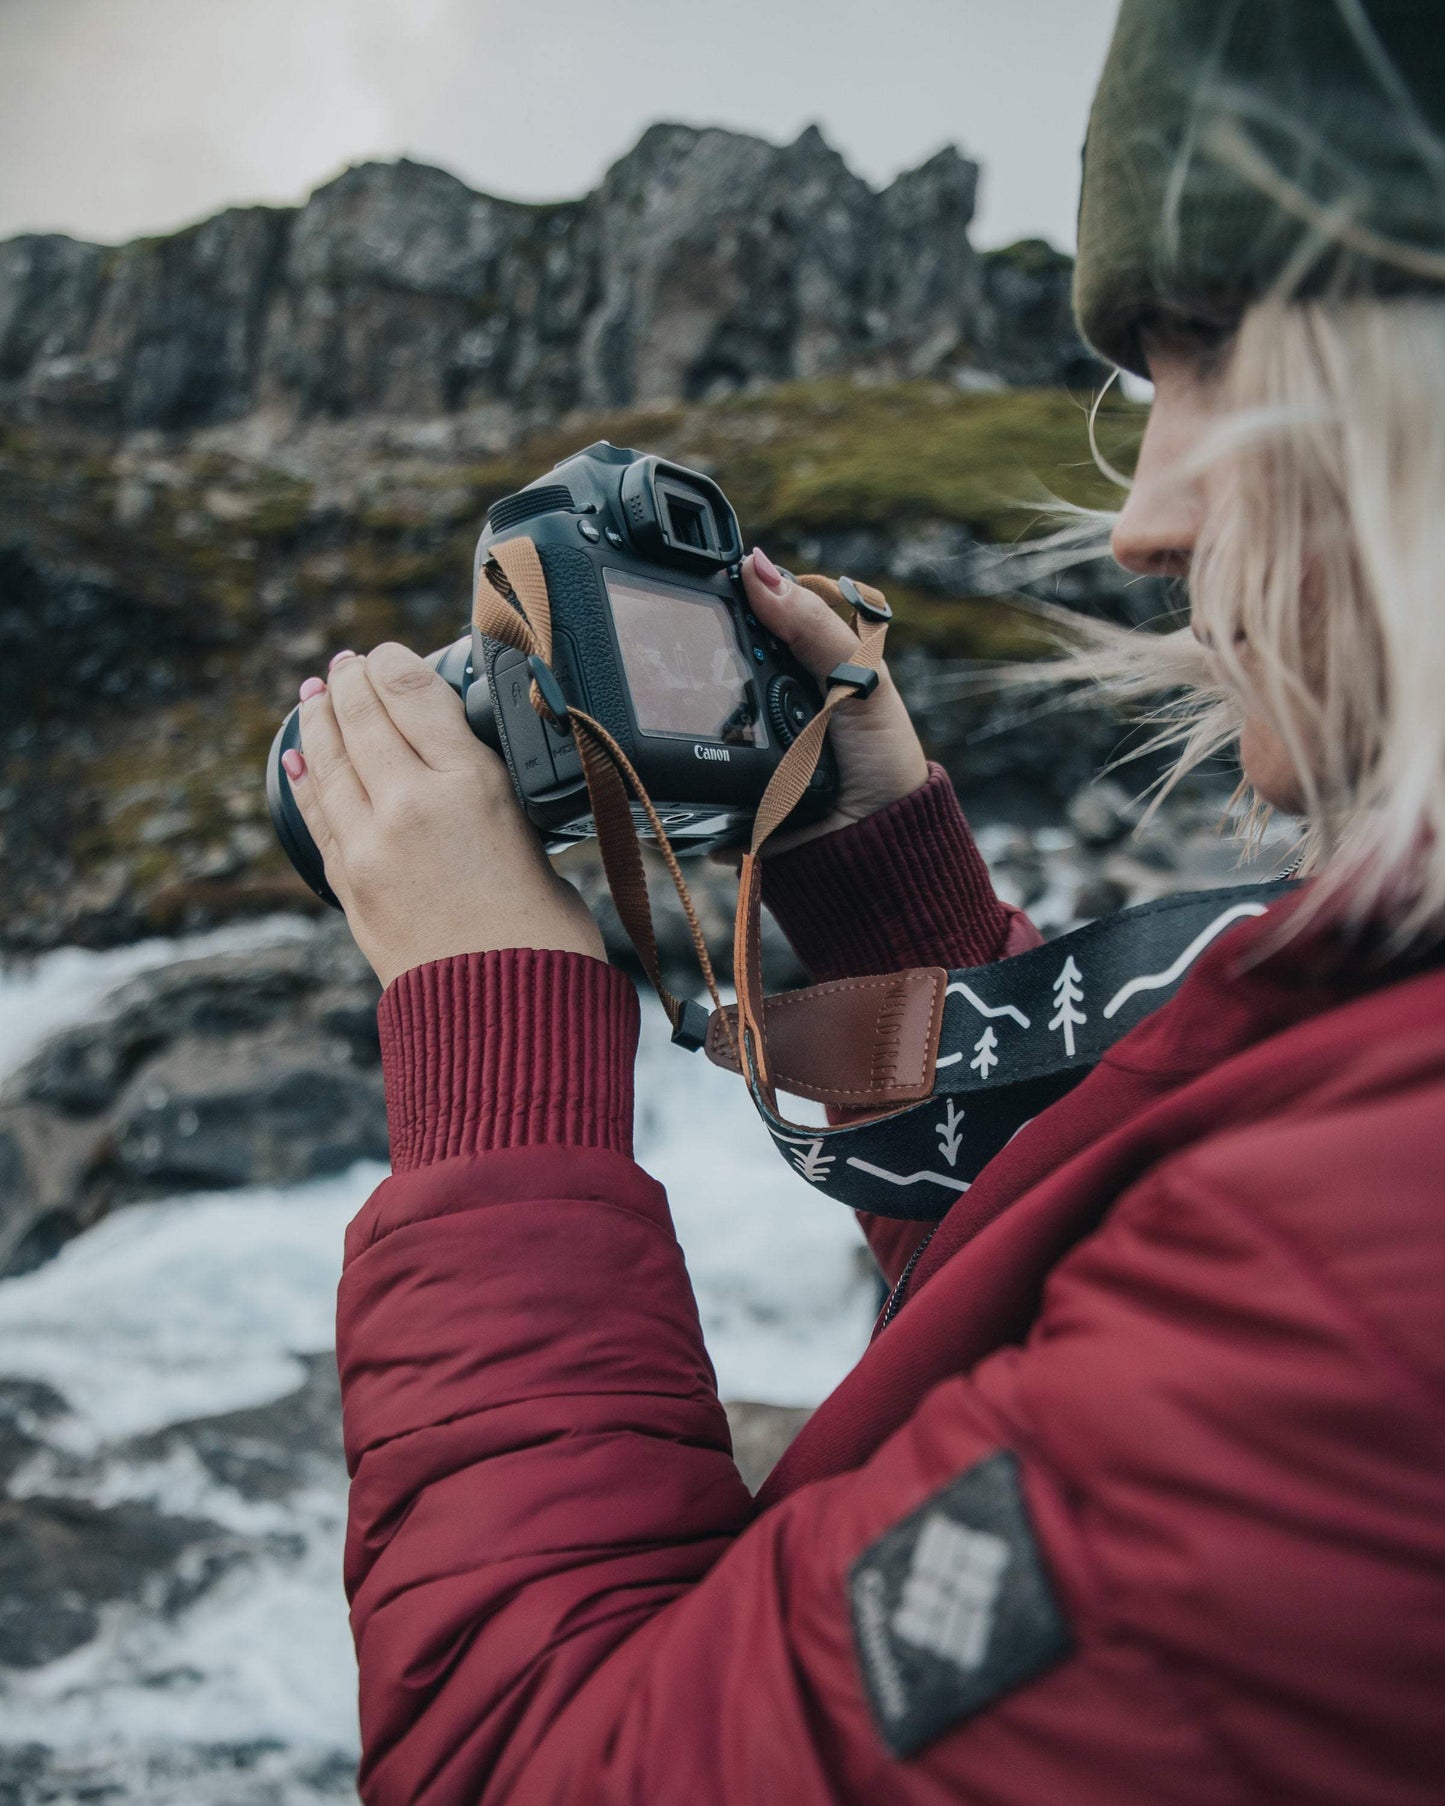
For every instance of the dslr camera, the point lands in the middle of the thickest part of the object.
(651, 634)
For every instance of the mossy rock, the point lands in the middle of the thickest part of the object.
(836, 454)
(238, 582)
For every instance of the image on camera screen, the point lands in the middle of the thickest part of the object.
(687, 672)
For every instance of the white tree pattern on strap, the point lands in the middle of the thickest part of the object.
(1068, 994)
(985, 1059)
(808, 1157)
(950, 1133)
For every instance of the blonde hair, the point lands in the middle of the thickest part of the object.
(1316, 595)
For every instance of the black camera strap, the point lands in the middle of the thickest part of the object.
(983, 1048)
(938, 1070)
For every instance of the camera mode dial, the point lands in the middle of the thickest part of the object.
(790, 708)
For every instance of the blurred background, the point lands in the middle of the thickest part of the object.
(290, 291)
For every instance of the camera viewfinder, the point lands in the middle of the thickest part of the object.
(687, 519)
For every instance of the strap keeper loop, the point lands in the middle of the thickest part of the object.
(861, 679)
(548, 689)
(691, 1030)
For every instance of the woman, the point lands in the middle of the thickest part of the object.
(1139, 1494)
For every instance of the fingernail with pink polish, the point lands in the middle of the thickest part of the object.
(766, 569)
(337, 660)
(312, 687)
(294, 763)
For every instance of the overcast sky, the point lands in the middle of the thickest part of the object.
(125, 116)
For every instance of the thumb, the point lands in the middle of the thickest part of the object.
(817, 637)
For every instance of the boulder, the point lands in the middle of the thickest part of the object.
(761, 1434)
(251, 1109)
(62, 1560)
(1101, 813)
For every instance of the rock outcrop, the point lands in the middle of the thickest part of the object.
(706, 262)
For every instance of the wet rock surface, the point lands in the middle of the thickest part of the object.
(259, 1772)
(244, 1068)
(98, 1579)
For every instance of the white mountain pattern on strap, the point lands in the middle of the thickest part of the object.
(1155, 981)
(951, 1180)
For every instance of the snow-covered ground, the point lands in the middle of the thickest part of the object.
(193, 1307)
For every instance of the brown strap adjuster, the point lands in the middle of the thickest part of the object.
(856, 1043)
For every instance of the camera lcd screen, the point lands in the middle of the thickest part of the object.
(688, 674)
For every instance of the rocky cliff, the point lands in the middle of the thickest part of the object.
(705, 263)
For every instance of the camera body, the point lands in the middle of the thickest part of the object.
(652, 634)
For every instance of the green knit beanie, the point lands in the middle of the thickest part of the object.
(1242, 147)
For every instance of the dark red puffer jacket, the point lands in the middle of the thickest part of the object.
(1139, 1498)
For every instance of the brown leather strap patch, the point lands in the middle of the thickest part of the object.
(856, 1042)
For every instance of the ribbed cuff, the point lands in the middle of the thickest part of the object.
(905, 887)
(513, 1048)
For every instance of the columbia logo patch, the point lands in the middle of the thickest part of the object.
(952, 1608)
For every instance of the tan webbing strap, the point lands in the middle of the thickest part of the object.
(786, 788)
(522, 620)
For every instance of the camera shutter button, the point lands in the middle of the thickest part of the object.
(790, 708)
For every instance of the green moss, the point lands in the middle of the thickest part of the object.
(280, 509)
(826, 455)
(235, 591)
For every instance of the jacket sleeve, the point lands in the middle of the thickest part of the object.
(905, 887)
(561, 1591)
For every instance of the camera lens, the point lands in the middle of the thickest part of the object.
(453, 664)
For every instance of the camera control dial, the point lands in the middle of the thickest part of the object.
(790, 708)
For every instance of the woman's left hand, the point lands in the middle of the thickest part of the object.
(425, 844)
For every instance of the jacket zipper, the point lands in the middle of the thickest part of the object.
(895, 1297)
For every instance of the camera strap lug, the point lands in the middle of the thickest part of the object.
(549, 690)
(873, 606)
(691, 1028)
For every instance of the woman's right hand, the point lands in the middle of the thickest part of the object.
(880, 758)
